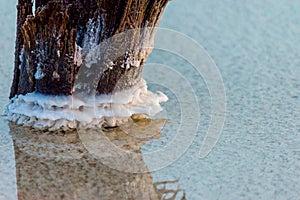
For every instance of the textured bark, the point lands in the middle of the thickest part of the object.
(46, 43)
(24, 8)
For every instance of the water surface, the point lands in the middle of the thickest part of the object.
(255, 45)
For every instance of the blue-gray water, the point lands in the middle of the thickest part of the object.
(255, 45)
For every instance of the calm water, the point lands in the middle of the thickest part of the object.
(255, 45)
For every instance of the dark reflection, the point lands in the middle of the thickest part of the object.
(83, 165)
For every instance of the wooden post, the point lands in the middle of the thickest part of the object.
(24, 8)
(48, 41)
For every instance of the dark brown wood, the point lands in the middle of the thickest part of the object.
(24, 8)
(46, 43)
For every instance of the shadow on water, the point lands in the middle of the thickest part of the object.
(78, 164)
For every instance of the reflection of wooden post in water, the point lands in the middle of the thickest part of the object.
(58, 166)
(48, 42)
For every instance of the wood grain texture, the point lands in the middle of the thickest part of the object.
(48, 38)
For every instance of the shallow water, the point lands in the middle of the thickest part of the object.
(255, 46)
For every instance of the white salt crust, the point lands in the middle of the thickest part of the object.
(70, 112)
